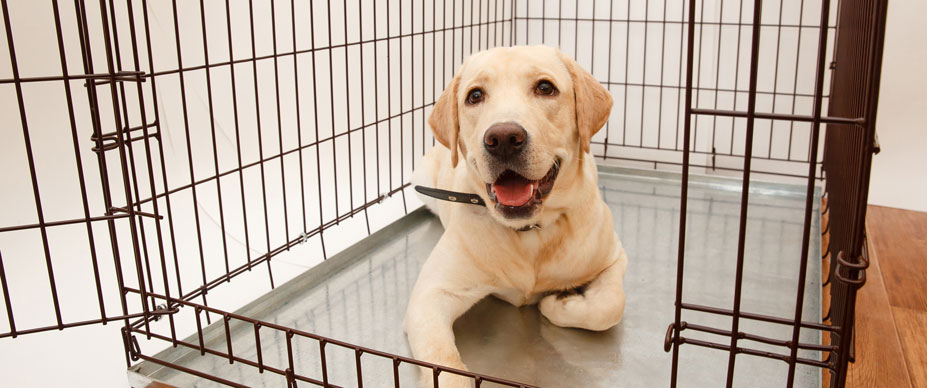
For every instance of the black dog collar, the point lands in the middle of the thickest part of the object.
(453, 196)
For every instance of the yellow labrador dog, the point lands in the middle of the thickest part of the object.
(515, 125)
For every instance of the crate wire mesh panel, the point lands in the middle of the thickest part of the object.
(190, 146)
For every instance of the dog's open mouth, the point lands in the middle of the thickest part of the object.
(516, 196)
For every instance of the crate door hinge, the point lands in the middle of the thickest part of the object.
(155, 315)
(110, 140)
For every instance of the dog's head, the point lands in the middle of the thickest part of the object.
(521, 118)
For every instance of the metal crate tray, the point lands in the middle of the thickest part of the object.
(360, 296)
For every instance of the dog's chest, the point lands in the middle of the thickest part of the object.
(559, 265)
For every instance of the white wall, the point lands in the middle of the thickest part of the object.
(899, 173)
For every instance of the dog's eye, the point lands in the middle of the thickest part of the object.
(475, 96)
(545, 88)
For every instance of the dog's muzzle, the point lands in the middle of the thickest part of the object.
(518, 197)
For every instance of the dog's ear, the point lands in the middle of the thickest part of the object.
(443, 120)
(593, 102)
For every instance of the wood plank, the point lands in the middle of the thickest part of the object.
(880, 360)
(911, 325)
(900, 238)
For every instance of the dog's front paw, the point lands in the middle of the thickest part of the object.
(578, 310)
(564, 309)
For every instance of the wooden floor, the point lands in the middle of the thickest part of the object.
(891, 312)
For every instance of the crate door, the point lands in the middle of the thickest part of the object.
(75, 122)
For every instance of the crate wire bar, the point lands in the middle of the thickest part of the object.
(230, 136)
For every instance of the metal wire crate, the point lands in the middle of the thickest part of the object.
(171, 162)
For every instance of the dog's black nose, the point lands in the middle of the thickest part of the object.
(503, 140)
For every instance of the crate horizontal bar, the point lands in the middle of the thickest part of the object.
(757, 317)
(151, 314)
(756, 338)
(63, 222)
(780, 116)
(118, 76)
(754, 352)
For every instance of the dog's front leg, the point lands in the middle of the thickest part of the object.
(446, 288)
(599, 307)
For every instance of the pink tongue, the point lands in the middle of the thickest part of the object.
(513, 194)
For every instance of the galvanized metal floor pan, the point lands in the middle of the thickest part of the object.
(360, 296)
